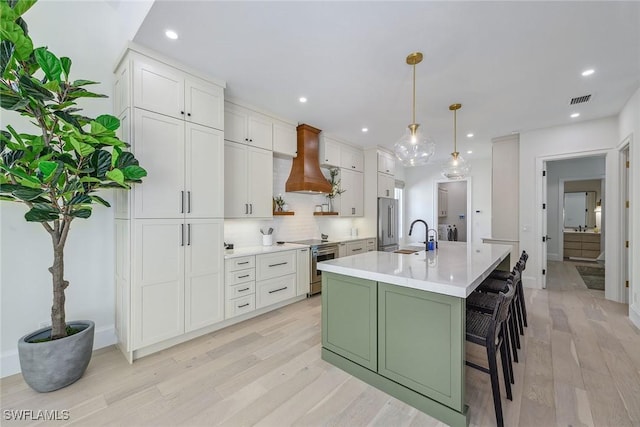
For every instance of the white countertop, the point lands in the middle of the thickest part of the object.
(571, 230)
(455, 269)
(257, 250)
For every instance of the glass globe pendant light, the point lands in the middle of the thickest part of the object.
(456, 167)
(414, 148)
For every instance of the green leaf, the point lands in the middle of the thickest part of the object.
(79, 83)
(108, 121)
(69, 118)
(7, 11)
(66, 66)
(47, 168)
(53, 85)
(6, 55)
(101, 201)
(81, 148)
(32, 87)
(8, 188)
(114, 155)
(27, 194)
(126, 159)
(90, 179)
(41, 213)
(21, 174)
(13, 102)
(83, 93)
(22, 6)
(79, 199)
(116, 175)
(50, 64)
(134, 173)
(81, 213)
(97, 128)
(101, 162)
(12, 32)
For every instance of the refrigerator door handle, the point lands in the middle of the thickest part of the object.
(389, 221)
(393, 221)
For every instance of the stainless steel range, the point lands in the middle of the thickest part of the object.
(321, 250)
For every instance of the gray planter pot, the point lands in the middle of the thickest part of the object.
(50, 365)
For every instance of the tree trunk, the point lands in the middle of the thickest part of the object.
(58, 323)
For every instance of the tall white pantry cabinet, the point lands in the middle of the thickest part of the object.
(169, 229)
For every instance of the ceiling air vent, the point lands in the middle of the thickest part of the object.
(580, 99)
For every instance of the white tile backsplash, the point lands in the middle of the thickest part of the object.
(302, 225)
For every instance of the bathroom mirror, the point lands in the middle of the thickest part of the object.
(579, 209)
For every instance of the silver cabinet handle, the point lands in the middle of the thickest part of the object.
(356, 249)
(182, 202)
(251, 208)
(243, 305)
(243, 262)
(188, 234)
(393, 221)
(388, 221)
(188, 201)
(181, 234)
(246, 208)
(242, 277)
(353, 211)
(280, 263)
(243, 289)
(278, 290)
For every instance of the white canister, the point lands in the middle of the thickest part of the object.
(325, 207)
(318, 208)
(267, 239)
(354, 232)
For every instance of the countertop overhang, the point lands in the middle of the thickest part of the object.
(455, 269)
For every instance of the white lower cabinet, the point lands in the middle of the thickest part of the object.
(257, 281)
(177, 274)
(357, 247)
(303, 271)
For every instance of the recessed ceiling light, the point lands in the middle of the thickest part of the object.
(171, 34)
(365, 129)
(303, 99)
(469, 135)
(588, 72)
(469, 152)
(574, 115)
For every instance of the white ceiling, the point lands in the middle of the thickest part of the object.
(513, 65)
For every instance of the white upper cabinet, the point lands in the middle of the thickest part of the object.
(285, 139)
(159, 146)
(204, 172)
(249, 127)
(386, 185)
(163, 89)
(248, 181)
(329, 152)
(386, 163)
(352, 200)
(351, 158)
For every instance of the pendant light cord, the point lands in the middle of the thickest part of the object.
(413, 117)
(455, 136)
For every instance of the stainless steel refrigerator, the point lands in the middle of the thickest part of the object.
(387, 224)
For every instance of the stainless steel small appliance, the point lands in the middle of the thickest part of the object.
(320, 250)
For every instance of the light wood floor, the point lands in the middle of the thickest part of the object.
(580, 365)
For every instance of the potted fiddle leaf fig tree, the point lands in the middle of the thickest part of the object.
(56, 171)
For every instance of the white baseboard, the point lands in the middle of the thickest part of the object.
(554, 257)
(634, 315)
(10, 362)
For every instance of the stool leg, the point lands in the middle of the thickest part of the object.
(495, 385)
(523, 305)
(512, 315)
(505, 363)
(518, 308)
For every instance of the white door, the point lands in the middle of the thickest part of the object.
(544, 236)
(158, 288)
(386, 185)
(159, 146)
(159, 88)
(329, 152)
(204, 104)
(626, 237)
(204, 272)
(204, 180)
(260, 131)
(236, 204)
(285, 139)
(260, 188)
(358, 193)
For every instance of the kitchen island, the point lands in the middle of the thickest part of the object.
(397, 321)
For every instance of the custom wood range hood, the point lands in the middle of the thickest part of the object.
(305, 175)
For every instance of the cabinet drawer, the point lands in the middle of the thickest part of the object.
(595, 246)
(240, 276)
(572, 237)
(276, 264)
(590, 254)
(572, 245)
(274, 290)
(241, 263)
(572, 252)
(240, 306)
(355, 248)
(240, 290)
(371, 245)
(591, 238)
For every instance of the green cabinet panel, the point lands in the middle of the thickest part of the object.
(421, 342)
(349, 318)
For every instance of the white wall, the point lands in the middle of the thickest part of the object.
(421, 182)
(302, 225)
(629, 125)
(565, 170)
(92, 34)
(582, 139)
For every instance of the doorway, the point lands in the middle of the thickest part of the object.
(452, 214)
